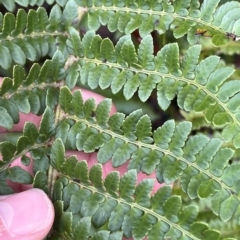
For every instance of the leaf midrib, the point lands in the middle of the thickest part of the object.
(160, 13)
(133, 204)
(165, 75)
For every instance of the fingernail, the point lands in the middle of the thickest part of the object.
(26, 212)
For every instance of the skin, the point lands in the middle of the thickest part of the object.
(17, 220)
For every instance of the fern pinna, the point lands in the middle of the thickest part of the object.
(47, 52)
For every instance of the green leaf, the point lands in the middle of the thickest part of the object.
(117, 217)
(41, 181)
(182, 27)
(16, 52)
(21, 20)
(9, 5)
(129, 123)
(91, 204)
(187, 216)
(119, 81)
(111, 182)
(172, 207)
(33, 74)
(7, 150)
(68, 191)
(228, 208)
(22, 144)
(7, 85)
(62, 131)
(179, 137)
(93, 22)
(208, 188)
(76, 44)
(25, 160)
(5, 189)
(106, 77)
(162, 136)
(72, 134)
(147, 87)
(65, 224)
(205, 68)
(81, 230)
(219, 39)
(190, 61)
(122, 154)
(77, 199)
(6, 59)
(143, 192)
(198, 228)
(143, 129)
(123, 20)
(146, 26)
(231, 174)
(68, 167)
(17, 174)
(220, 161)
(102, 112)
(163, 24)
(127, 185)
(5, 119)
(95, 175)
(77, 104)
(194, 184)
(70, 12)
(107, 50)
(54, 17)
(81, 172)
(8, 24)
(211, 234)
(89, 108)
(18, 76)
(172, 170)
(106, 152)
(47, 125)
(128, 53)
(151, 160)
(156, 231)
(129, 220)
(65, 98)
(72, 75)
(167, 59)
(142, 225)
(131, 86)
(93, 77)
(21, 101)
(40, 161)
(103, 213)
(207, 9)
(116, 236)
(92, 142)
(101, 235)
(52, 97)
(57, 154)
(133, 24)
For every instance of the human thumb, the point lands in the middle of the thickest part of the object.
(27, 215)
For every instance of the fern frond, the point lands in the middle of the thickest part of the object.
(117, 205)
(33, 141)
(10, 5)
(30, 92)
(198, 86)
(181, 16)
(34, 34)
(199, 162)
